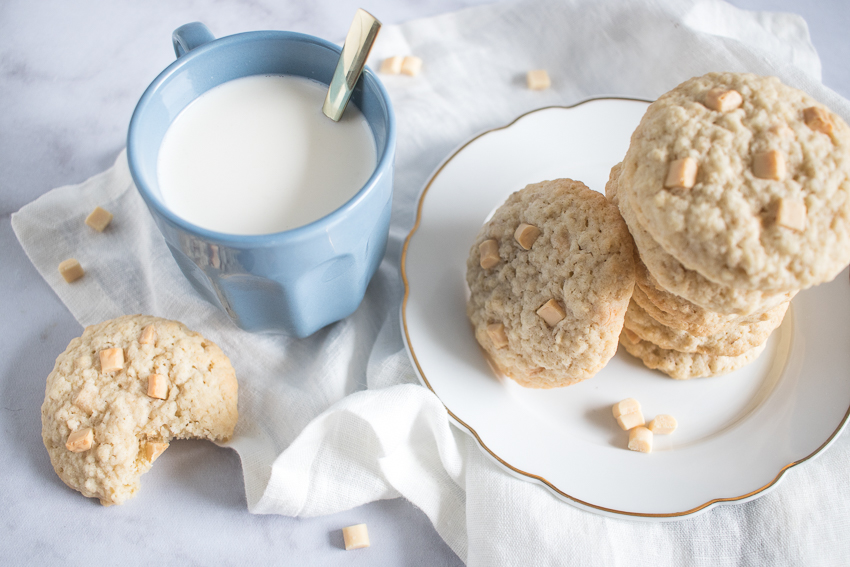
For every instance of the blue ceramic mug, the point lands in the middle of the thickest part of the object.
(293, 282)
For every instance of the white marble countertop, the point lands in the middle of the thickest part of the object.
(70, 75)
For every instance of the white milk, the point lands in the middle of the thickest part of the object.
(256, 155)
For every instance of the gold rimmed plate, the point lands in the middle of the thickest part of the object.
(738, 434)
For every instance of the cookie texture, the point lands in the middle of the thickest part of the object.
(752, 162)
(129, 428)
(733, 341)
(581, 265)
(684, 365)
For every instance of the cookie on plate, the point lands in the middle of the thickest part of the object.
(122, 391)
(743, 180)
(550, 277)
(684, 365)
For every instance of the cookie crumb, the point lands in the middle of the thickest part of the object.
(99, 219)
(538, 80)
(356, 537)
(80, 440)
(71, 270)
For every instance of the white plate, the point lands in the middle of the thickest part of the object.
(737, 433)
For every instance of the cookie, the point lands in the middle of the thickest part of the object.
(684, 365)
(548, 310)
(734, 341)
(752, 195)
(675, 278)
(122, 391)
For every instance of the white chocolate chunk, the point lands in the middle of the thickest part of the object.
(640, 439)
(769, 165)
(153, 449)
(723, 100)
(99, 219)
(552, 312)
(497, 335)
(791, 214)
(489, 252)
(71, 270)
(625, 406)
(148, 335)
(538, 80)
(157, 386)
(86, 397)
(663, 424)
(526, 234)
(630, 420)
(111, 359)
(782, 130)
(80, 440)
(818, 119)
(411, 66)
(392, 65)
(682, 173)
(356, 537)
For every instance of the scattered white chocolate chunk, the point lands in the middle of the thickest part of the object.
(148, 335)
(157, 386)
(111, 359)
(663, 424)
(818, 119)
(538, 80)
(497, 335)
(489, 252)
(631, 420)
(71, 270)
(682, 173)
(640, 439)
(153, 449)
(411, 65)
(769, 165)
(791, 214)
(552, 312)
(392, 65)
(623, 407)
(526, 234)
(99, 219)
(80, 440)
(723, 100)
(356, 537)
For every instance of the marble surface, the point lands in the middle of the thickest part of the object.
(70, 75)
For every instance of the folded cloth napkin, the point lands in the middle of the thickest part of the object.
(338, 419)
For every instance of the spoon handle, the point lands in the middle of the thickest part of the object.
(361, 36)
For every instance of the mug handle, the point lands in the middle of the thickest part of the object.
(189, 36)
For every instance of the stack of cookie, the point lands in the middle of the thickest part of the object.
(736, 190)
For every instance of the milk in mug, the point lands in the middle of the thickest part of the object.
(256, 155)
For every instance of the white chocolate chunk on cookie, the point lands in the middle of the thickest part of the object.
(411, 65)
(538, 80)
(153, 449)
(769, 165)
(355, 537)
(111, 359)
(497, 335)
(818, 120)
(682, 173)
(80, 440)
(552, 312)
(640, 439)
(392, 65)
(148, 335)
(71, 270)
(526, 234)
(99, 219)
(157, 386)
(489, 252)
(663, 424)
(791, 214)
(85, 399)
(723, 100)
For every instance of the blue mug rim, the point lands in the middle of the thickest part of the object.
(303, 232)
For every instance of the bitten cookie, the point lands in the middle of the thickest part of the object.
(744, 180)
(122, 391)
(550, 277)
(684, 365)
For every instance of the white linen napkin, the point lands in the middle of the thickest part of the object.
(338, 419)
